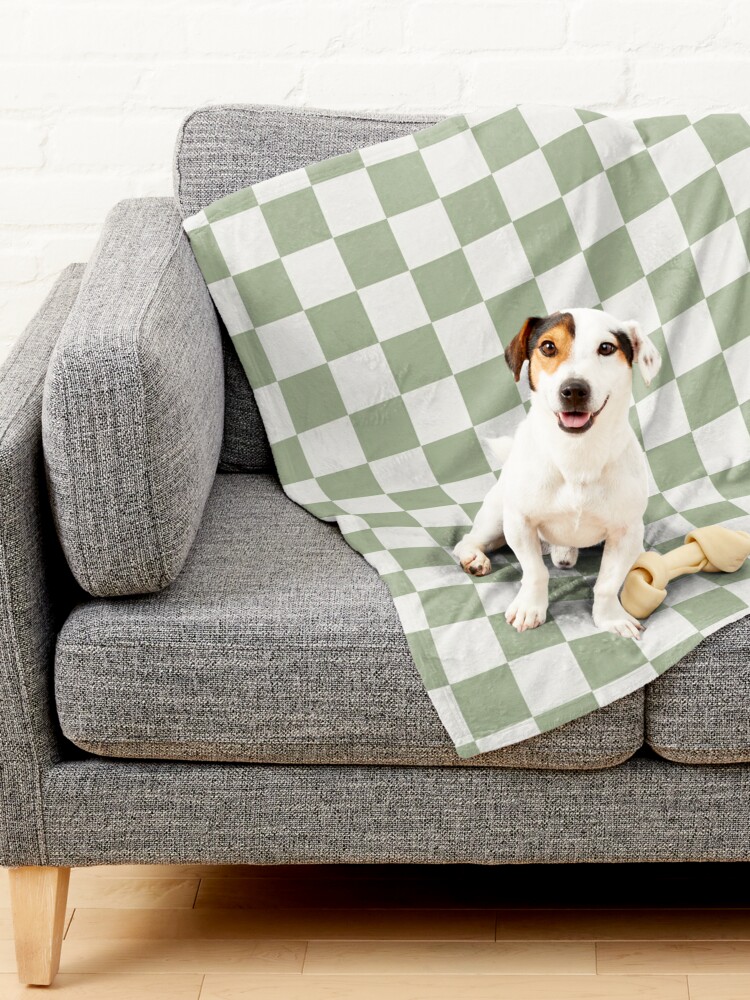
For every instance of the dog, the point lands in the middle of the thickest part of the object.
(574, 474)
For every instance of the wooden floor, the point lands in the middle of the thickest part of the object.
(574, 932)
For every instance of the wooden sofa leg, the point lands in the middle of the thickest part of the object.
(38, 897)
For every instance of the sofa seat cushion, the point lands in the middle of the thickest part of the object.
(277, 643)
(697, 712)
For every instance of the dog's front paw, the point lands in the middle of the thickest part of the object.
(472, 559)
(527, 611)
(477, 564)
(610, 616)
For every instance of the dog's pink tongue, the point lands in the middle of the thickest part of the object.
(574, 419)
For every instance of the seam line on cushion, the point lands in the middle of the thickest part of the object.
(65, 420)
(415, 117)
(303, 744)
(669, 751)
(100, 747)
(176, 175)
(123, 646)
(158, 535)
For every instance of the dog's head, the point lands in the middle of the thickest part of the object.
(579, 360)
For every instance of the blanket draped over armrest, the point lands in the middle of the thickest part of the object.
(370, 298)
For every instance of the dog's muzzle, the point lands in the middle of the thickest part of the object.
(575, 415)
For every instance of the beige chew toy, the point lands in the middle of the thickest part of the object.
(713, 549)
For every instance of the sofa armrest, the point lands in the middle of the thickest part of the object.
(36, 589)
(133, 405)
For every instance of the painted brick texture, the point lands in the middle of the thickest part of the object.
(92, 91)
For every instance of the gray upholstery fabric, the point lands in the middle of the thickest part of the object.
(133, 405)
(36, 589)
(698, 712)
(245, 447)
(277, 643)
(112, 812)
(224, 148)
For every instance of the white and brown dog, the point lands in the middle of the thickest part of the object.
(574, 474)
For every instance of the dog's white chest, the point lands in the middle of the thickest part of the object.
(574, 514)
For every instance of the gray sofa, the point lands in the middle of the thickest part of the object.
(255, 700)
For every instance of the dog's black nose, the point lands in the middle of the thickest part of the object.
(574, 393)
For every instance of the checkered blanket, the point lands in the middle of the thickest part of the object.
(370, 298)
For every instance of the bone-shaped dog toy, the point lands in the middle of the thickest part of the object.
(713, 549)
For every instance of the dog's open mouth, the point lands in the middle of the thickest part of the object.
(578, 421)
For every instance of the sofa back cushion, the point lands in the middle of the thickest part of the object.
(133, 406)
(224, 148)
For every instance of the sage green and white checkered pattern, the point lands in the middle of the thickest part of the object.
(370, 298)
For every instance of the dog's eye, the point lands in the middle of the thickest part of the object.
(607, 348)
(548, 349)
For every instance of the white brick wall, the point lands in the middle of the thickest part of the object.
(92, 91)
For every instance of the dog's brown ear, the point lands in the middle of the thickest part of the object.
(517, 350)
